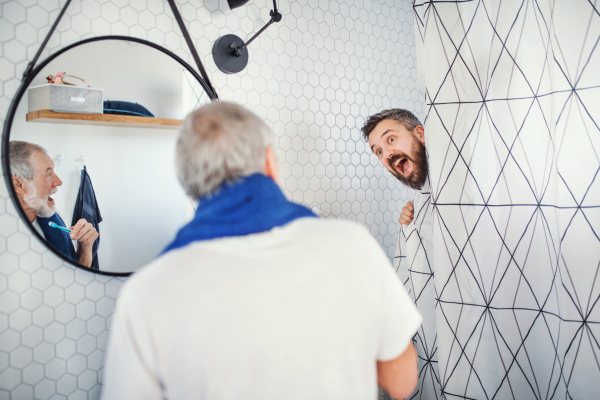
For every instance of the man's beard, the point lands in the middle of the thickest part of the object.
(417, 177)
(39, 205)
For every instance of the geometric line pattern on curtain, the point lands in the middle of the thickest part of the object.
(512, 132)
(413, 265)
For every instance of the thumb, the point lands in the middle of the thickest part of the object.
(410, 206)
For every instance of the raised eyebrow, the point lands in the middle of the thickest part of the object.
(372, 149)
(386, 132)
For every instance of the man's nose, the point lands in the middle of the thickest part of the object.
(387, 154)
(57, 181)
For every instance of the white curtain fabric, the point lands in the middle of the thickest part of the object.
(512, 131)
(414, 265)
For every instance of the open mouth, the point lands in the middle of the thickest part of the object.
(403, 166)
(50, 200)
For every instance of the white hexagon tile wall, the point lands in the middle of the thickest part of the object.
(314, 77)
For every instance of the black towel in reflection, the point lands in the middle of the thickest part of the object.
(86, 206)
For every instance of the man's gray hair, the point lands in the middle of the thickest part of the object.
(219, 143)
(405, 117)
(20, 155)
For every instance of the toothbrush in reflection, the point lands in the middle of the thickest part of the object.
(53, 225)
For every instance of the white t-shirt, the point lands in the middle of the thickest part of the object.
(36, 225)
(298, 312)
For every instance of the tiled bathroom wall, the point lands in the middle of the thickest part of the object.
(314, 77)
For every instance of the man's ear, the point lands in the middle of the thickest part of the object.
(420, 133)
(19, 185)
(271, 166)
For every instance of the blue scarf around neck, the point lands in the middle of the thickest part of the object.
(60, 240)
(253, 204)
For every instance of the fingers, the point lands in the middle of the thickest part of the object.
(84, 232)
(89, 237)
(407, 214)
(404, 221)
(76, 229)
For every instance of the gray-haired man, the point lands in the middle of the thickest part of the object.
(256, 298)
(35, 181)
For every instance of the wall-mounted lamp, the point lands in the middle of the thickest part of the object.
(230, 52)
(236, 3)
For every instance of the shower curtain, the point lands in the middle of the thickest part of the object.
(512, 92)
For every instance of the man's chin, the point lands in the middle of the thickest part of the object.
(47, 211)
(412, 180)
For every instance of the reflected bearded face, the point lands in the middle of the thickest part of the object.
(44, 207)
(400, 151)
(44, 184)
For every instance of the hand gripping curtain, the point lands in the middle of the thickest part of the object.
(512, 128)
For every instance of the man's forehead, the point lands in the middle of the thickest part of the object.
(384, 126)
(390, 123)
(42, 160)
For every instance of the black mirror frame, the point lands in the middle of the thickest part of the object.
(27, 79)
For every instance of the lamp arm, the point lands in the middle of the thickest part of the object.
(190, 44)
(276, 16)
(45, 42)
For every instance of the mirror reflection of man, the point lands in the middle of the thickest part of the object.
(35, 181)
(397, 138)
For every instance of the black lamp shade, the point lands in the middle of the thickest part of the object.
(236, 3)
(224, 56)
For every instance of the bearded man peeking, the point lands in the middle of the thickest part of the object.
(34, 180)
(397, 138)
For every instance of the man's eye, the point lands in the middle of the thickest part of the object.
(378, 152)
(390, 139)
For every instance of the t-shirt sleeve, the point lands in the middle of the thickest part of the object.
(129, 371)
(400, 319)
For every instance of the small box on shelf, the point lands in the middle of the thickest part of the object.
(65, 99)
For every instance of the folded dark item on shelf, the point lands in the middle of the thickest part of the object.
(126, 108)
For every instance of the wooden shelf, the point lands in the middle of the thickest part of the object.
(102, 119)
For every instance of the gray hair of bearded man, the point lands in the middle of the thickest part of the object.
(20, 156)
(220, 143)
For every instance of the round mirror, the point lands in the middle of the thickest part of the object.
(91, 144)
